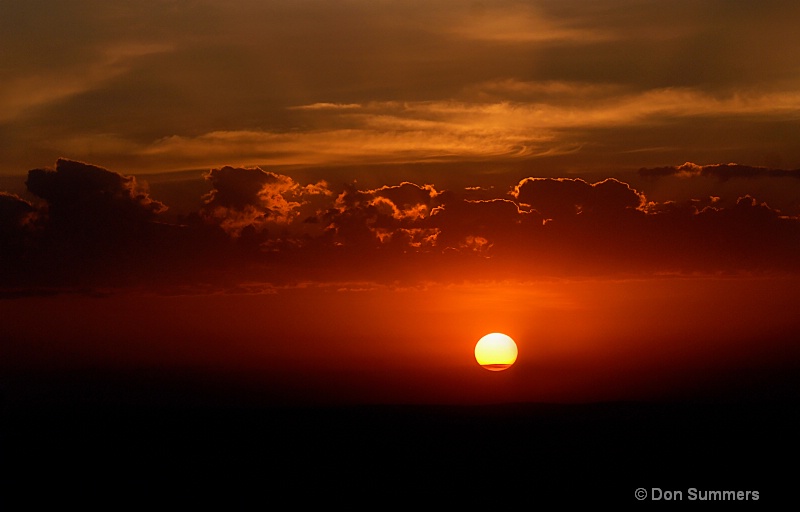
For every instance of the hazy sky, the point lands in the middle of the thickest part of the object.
(368, 187)
(564, 86)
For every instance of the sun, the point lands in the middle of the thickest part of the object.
(496, 351)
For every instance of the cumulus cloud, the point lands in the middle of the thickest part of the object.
(562, 198)
(243, 197)
(89, 195)
(478, 225)
(90, 225)
(408, 199)
(389, 214)
(98, 226)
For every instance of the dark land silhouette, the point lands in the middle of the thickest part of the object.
(153, 441)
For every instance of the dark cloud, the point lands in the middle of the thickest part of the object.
(387, 215)
(723, 172)
(237, 187)
(726, 182)
(681, 209)
(748, 236)
(360, 218)
(15, 213)
(18, 223)
(97, 228)
(254, 198)
(80, 193)
(483, 225)
(559, 198)
(97, 224)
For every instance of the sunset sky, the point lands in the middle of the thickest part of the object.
(311, 201)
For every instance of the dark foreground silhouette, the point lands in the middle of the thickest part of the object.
(112, 449)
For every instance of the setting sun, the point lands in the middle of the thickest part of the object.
(496, 352)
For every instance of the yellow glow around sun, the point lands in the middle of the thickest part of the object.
(496, 351)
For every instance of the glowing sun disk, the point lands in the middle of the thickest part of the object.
(496, 351)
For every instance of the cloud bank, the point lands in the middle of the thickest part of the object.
(94, 227)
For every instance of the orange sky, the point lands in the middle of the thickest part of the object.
(315, 201)
(579, 340)
(560, 86)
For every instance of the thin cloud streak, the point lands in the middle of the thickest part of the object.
(519, 24)
(21, 93)
(418, 131)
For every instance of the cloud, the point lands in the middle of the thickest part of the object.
(723, 172)
(239, 187)
(371, 139)
(563, 198)
(328, 106)
(479, 225)
(85, 194)
(678, 209)
(542, 91)
(386, 215)
(545, 119)
(747, 236)
(89, 227)
(97, 228)
(25, 92)
(519, 23)
(153, 87)
(18, 226)
(408, 200)
(728, 182)
(251, 197)
(15, 213)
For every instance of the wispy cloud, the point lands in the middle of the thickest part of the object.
(165, 87)
(418, 131)
(519, 23)
(327, 106)
(27, 91)
(383, 140)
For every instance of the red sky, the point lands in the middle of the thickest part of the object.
(310, 202)
(582, 340)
